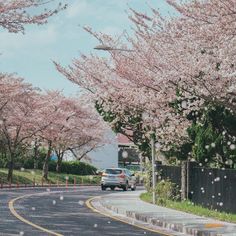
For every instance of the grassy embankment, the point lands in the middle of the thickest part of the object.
(29, 176)
(188, 206)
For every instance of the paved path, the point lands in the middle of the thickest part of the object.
(62, 212)
(130, 206)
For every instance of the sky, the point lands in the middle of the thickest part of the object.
(30, 55)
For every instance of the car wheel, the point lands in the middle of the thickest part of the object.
(112, 188)
(133, 188)
(125, 188)
(103, 188)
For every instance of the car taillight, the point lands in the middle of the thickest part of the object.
(104, 174)
(122, 176)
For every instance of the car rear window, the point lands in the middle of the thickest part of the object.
(113, 171)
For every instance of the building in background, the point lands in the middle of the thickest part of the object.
(128, 155)
(120, 152)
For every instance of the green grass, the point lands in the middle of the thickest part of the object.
(29, 176)
(188, 206)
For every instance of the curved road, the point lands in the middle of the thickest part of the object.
(60, 211)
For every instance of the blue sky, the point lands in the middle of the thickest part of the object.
(62, 39)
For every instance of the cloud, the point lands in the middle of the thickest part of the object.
(12, 43)
(76, 8)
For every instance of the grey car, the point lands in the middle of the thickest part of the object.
(118, 177)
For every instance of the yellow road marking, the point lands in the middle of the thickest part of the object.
(89, 205)
(13, 211)
(213, 225)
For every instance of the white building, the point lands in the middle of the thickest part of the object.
(106, 156)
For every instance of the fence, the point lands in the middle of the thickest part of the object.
(173, 173)
(212, 188)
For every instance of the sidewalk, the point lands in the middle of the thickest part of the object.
(128, 204)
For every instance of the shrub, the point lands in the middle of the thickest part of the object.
(52, 166)
(73, 167)
(28, 163)
(148, 177)
(3, 161)
(166, 190)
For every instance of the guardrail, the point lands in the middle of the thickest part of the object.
(44, 183)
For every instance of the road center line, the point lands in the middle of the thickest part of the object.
(19, 217)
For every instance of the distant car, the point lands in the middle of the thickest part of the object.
(118, 177)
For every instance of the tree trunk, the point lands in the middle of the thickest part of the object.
(10, 170)
(59, 161)
(45, 164)
(36, 155)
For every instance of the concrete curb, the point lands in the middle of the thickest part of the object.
(198, 228)
(112, 208)
(114, 213)
(178, 227)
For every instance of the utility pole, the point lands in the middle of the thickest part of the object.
(153, 169)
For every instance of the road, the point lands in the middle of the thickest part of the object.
(59, 211)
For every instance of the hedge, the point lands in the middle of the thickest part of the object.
(68, 167)
(73, 167)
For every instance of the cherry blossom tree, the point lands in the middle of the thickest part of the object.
(185, 60)
(14, 14)
(82, 132)
(193, 51)
(19, 101)
(192, 54)
(118, 94)
(60, 123)
(69, 125)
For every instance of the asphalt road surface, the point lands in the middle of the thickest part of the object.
(60, 211)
